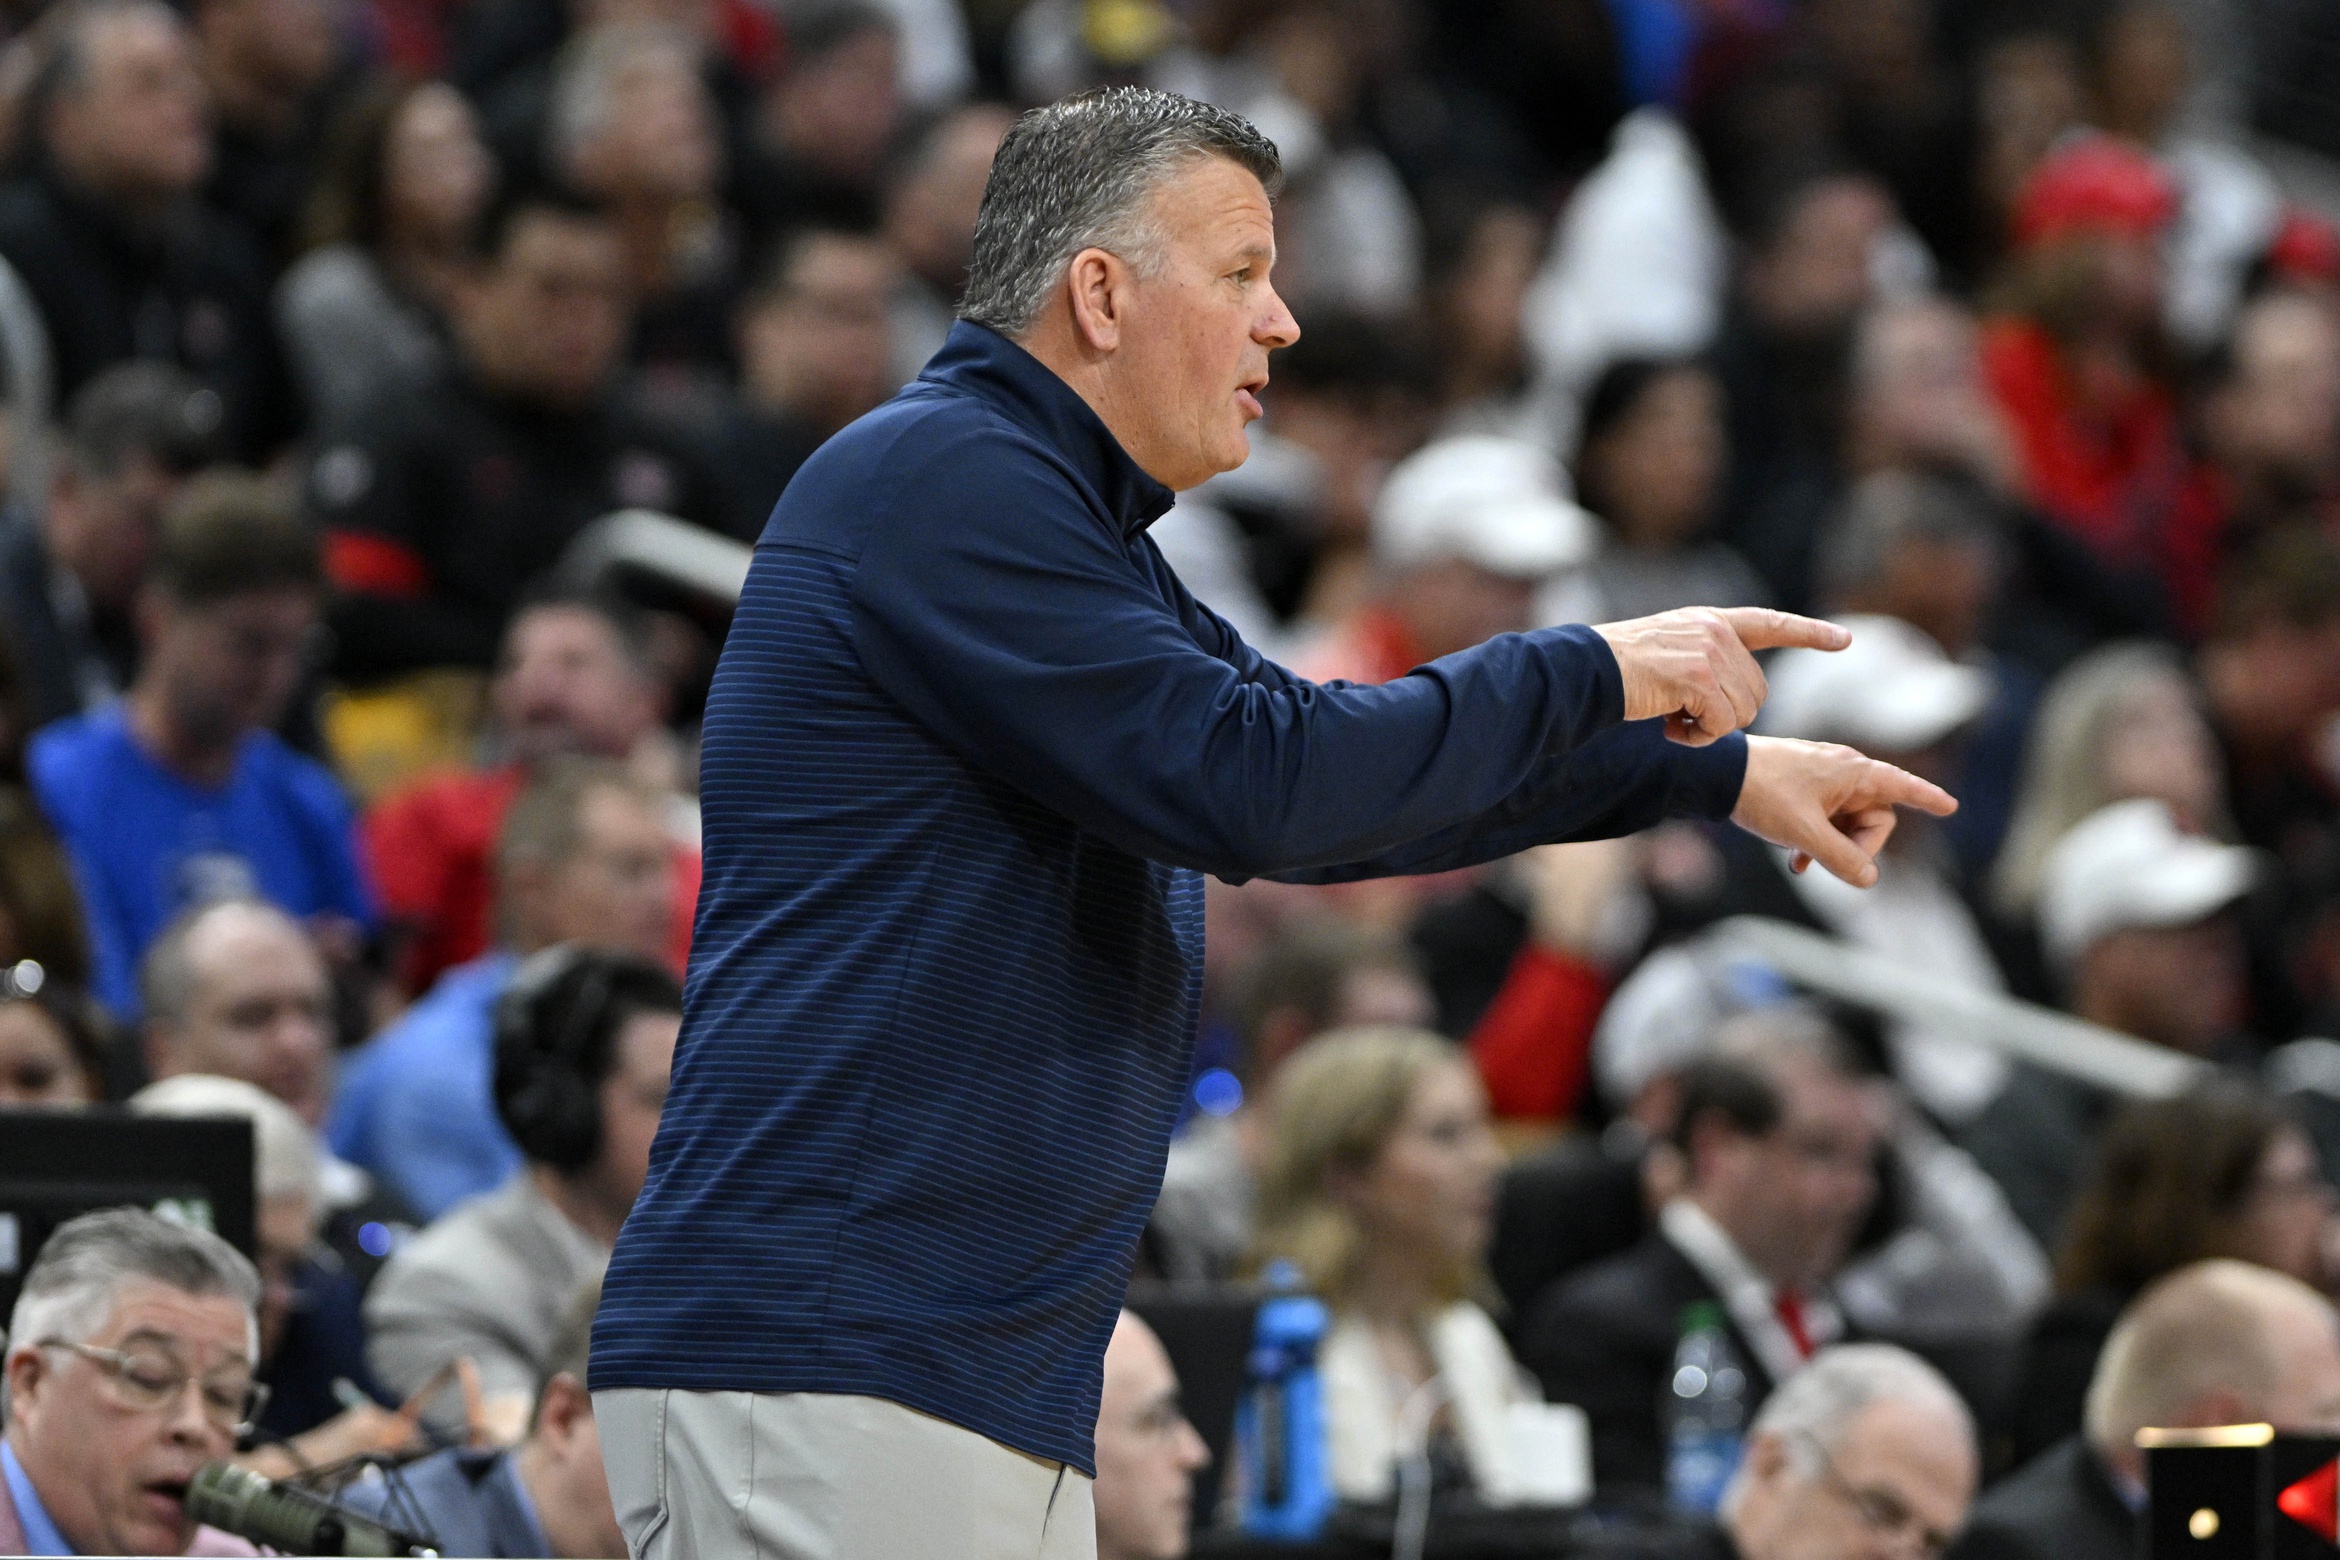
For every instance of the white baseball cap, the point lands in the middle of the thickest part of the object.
(2130, 865)
(1892, 690)
(1503, 504)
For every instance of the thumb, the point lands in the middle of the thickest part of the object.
(1766, 628)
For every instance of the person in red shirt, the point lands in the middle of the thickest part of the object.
(575, 676)
(2076, 360)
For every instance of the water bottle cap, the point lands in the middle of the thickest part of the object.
(1292, 1319)
(1283, 1276)
(1702, 1316)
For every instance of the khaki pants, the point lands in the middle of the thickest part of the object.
(821, 1476)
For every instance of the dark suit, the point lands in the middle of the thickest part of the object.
(470, 1501)
(2059, 1506)
(1604, 1340)
(1560, 1211)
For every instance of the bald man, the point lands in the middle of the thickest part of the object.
(237, 989)
(2218, 1343)
(1147, 1453)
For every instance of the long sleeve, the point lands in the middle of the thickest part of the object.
(1055, 655)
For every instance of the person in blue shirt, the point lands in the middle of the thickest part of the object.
(181, 793)
(969, 750)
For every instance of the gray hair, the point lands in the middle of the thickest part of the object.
(1080, 174)
(1892, 510)
(166, 975)
(285, 1158)
(71, 1289)
(1814, 1409)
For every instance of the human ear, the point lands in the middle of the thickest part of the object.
(1095, 279)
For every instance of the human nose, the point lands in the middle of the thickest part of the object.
(1275, 327)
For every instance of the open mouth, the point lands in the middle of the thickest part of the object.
(171, 1490)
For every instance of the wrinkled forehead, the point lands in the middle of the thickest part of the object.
(200, 1331)
(1214, 208)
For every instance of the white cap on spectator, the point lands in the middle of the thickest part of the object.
(1503, 504)
(2130, 865)
(1891, 689)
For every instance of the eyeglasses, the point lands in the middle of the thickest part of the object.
(148, 1380)
(1880, 1511)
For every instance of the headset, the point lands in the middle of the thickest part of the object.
(551, 1108)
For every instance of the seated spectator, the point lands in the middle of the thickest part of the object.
(583, 1045)
(235, 989)
(2099, 446)
(2271, 417)
(52, 1053)
(1316, 975)
(1147, 1453)
(119, 1313)
(815, 338)
(438, 510)
(1779, 1151)
(2218, 1343)
(583, 857)
(312, 1335)
(1893, 694)
(546, 1496)
(2134, 917)
(121, 259)
(2270, 670)
(1650, 462)
(2218, 1172)
(2120, 723)
(181, 793)
(1379, 1187)
(826, 122)
(577, 676)
(928, 204)
(365, 312)
(69, 576)
(632, 125)
(1463, 533)
(275, 71)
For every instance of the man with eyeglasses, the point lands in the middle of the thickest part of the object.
(129, 1366)
(181, 793)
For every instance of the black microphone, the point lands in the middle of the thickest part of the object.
(287, 1518)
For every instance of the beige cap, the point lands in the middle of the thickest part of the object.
(2130, 865)
(1503, 504)
(1891, 690)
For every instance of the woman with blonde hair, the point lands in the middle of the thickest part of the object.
(1380, 1189)
(2121, 722)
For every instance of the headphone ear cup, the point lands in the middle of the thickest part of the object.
(556, 1120)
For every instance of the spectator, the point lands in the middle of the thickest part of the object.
(438, 510)
(274, 70)
(1463, 532)
(40, 906)
(181, 793)
(2218, 1343)
(929, 208)
(577, 677)
(311, 1333)
(825, 124)
(1895, 693)
(815, 339)
(2133, 914)
(2099, 446)
(52, 1055)
(2270, 668)
(1147, 1453)
(2218, 1172)
(2121, 723)
(1379, 1188)
(1482, 258)
(118, 1314)
(235, 989)
(1317, 975)
(1651, 464)
(69, 576)
(546, 1496)
(631, 124)
(2271, 417)
(582, 857)
(390, 227)
(120, 258)
(583, 1046)
(1779, 1147)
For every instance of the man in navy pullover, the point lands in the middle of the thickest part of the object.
(970, 749)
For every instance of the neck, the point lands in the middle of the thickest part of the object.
(579, 1204)
(193, 755)
(1059, 349)
(1393, 1288)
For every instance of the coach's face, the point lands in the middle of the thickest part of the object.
(1195, 326)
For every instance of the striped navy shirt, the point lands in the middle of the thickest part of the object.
(969, 750)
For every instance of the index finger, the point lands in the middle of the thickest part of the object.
(1767, 628)
(1885, 785)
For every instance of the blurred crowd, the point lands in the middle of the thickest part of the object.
(340, 789)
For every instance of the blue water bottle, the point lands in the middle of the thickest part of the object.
(1706, 1399)
(1279, 1425)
